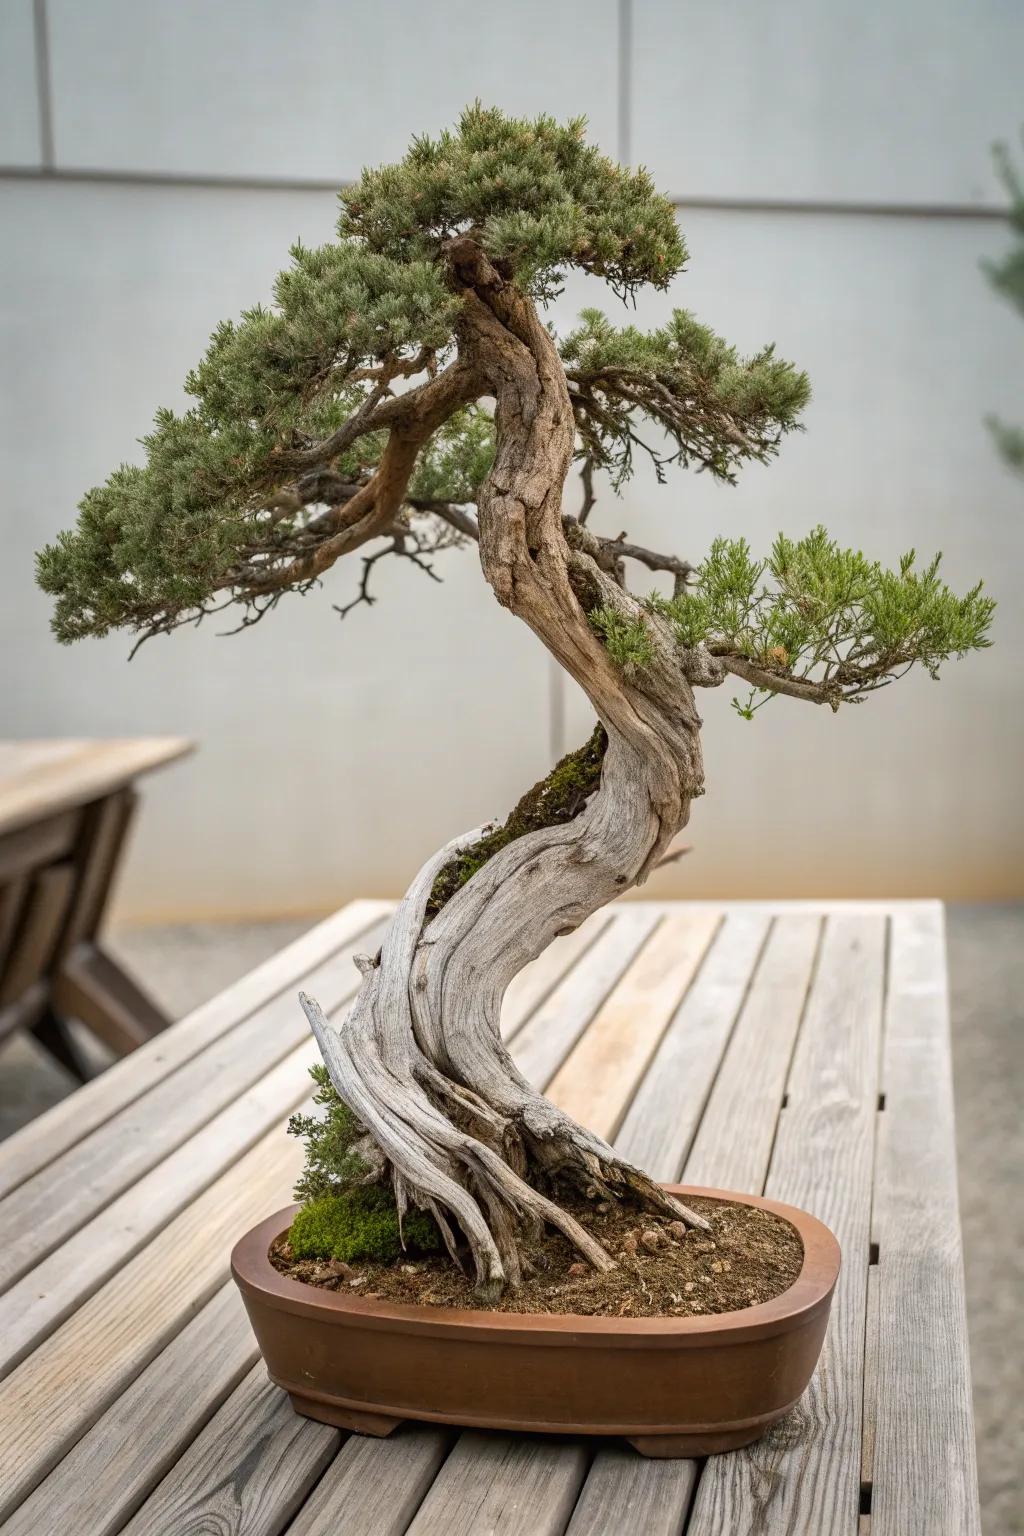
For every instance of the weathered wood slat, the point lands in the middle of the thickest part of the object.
(50, 1292)
(52, 1397)
(550, 1033)
(44, 1139)
(374, 1487)
(248, 1471)
(595, 1083)
(505, 1486)
(925, 1478)
(666, 1110)
(103, 1479)
(54, 1203)
(529, 989)
(804, 1475)
(624, 1493)
(737, 1130)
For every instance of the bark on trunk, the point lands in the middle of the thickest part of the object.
(420, 1058)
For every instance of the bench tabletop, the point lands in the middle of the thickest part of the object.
(39, 778)
(795, 1048)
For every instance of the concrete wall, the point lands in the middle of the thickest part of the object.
(832, 168)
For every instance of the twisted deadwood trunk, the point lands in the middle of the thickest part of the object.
(420, 1060)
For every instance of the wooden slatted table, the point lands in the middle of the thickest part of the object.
(801, 1049)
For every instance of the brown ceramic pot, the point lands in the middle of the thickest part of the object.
(674, 1386)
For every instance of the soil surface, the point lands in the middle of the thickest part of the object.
(662, 1268)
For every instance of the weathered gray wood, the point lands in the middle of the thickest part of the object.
(248, 1471)
(805, 1474)
(503, 1485)
(47, 1294)
(44, 1139)
(529, 989)
(737, 1130)
(925, 1477)
(58, 1391)
(374, 1487)
(666, 1110)
(49, 1207)
(624, 1493)
(596, 1081)
(550, 1033)
(105, 1477)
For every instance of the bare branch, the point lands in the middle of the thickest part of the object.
(587, 477)
(777, 682)
(456, 516)
(682, 570)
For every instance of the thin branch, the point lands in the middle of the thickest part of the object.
(682, 570)
(587, 478)
(451, 512)
(409, 545)
(775, 682)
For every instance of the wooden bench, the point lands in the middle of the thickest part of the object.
(797, 1048)
(65, 811)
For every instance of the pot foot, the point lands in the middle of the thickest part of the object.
(358, 1420)
(701, 1443)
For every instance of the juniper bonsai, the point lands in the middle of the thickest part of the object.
(403, 394)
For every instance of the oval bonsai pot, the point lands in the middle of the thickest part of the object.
(673, 1386)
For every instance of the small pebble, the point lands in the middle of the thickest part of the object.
(691, 1285)
(342, 1270)
(359, 1280)
(651, 1239)
(716, 1268)
(576, 1270)
(629, 1244)
(410, 1269)
(603, 1206)
(726, 1265)
(677, 1228)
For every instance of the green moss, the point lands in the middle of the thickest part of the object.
(555, 799)
(361, 1223)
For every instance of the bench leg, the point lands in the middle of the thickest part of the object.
(54, 1036)
(89, 986)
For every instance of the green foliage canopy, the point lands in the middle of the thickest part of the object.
(223, 510)
(835, 623)
(283, 450)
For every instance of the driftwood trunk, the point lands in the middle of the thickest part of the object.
(420, 1058)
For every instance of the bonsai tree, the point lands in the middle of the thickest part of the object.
(403, 394)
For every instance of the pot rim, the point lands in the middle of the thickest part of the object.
(810, 1293)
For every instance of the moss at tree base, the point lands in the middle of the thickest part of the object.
(362, 1223)
(557, 798)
